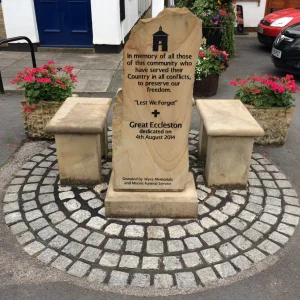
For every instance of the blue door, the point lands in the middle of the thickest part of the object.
(64, 23)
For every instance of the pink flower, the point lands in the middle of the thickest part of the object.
(289, 76)
(201, 54)
(74, 78)
(29, 79)
(43, 80)
(233, 82)
(281, 89)
(51, 62)
(68, 69)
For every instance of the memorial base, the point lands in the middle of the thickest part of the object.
(137, 204)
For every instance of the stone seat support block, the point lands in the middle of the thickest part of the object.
(227, 132)
(81, 139)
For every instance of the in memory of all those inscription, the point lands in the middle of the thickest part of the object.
(156, 103)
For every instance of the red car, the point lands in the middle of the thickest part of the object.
(271, 25)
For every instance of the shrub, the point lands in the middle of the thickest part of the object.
(211, 61)
(266, 91)
(48, 83)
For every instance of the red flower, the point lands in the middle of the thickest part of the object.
(51, 62)
(201, 54)
(233, 82)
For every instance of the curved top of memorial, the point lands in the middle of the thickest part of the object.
(170, 25)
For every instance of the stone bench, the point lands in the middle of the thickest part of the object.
(81, 139)
(226, 138)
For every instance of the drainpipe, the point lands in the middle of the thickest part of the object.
(171, 4)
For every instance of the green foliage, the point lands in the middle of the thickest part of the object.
(185, 3)
(203, 5)
(228, 40)
(36, 92)
(266, 91)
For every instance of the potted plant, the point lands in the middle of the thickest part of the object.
(213, 20)
(212, 27)
(270, 101)
(211, 63)
(218, 21)
(45, 90)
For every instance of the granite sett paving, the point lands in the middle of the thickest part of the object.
(66, 227)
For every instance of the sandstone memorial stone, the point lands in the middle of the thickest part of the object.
(152, 113)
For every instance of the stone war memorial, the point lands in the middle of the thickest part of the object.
(156, 204)
(151, 120)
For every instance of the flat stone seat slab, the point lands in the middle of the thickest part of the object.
(227, 132)
(80, 115)
(81, 139)
(227, 118)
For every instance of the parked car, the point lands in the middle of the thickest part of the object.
(271, 25)
(286, 49)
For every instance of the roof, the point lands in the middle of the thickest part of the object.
(160, 32)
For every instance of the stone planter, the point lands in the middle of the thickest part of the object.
(275, 121)
(35, 122)
(206, 86)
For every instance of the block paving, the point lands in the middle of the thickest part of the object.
(66, 228)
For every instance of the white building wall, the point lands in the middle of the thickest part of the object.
(107, 28)
(19, 19)
(134, 9)
(253, 13)
(106, 22)
(157, 7)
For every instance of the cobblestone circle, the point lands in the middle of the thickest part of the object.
(66, 227)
